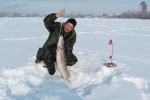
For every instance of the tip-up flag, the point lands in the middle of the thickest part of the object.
(110, 42)
(110, 64)
(110, 57)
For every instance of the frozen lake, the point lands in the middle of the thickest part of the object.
(20, 39)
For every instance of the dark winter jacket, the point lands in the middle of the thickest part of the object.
(54, 29)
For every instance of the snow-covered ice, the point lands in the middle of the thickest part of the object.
(22, 79)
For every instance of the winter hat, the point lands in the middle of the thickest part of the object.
(72, 21)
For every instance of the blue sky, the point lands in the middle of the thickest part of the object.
(72, 6)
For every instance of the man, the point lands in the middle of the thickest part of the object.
(48, 52)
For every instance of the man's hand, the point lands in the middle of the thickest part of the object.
(61, 14)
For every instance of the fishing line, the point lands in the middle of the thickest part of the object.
(62, 17)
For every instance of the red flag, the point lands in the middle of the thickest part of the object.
(110, 42)
(110, 57)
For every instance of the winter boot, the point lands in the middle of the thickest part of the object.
(51, 70)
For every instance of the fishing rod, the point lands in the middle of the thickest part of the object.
(63, 17)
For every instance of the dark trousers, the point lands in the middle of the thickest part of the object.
(49, 57)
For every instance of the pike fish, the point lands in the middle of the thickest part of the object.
(61, 60)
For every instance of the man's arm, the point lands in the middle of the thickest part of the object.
(49, 21)
(71, 59)
(69, 46)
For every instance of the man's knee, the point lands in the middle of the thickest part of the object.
(39, 56)
(71, 60)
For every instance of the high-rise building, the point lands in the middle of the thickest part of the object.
(143, 7)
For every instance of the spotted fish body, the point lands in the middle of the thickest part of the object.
(60, 59)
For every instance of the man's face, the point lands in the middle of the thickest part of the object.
(68, 27)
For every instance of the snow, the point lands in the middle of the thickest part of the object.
(22, 79)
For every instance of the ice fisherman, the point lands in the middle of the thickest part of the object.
(48, 52)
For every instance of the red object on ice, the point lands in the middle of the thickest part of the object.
(110, 42)
(110, 57)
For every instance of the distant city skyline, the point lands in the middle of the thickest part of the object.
(72, 6)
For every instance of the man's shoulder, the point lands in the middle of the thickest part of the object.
(74, 33)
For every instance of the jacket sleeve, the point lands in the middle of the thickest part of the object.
(69, 47)
(50, 24)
